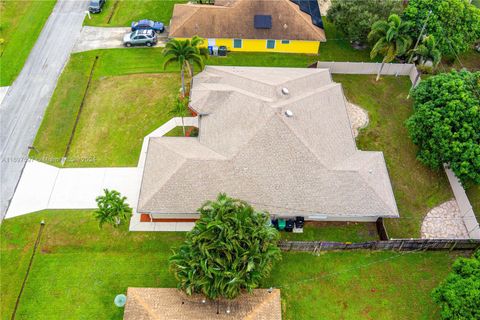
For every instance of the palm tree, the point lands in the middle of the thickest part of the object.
(426, 56)
(390, 39)
(180, 109)
(186, 53)
(112, 208)
(230, 250)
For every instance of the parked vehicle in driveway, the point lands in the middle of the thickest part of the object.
(96, 6)
(140, 38)
(146, 24)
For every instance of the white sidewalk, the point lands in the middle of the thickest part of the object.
(47, 187)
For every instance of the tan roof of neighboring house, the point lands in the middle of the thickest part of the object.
(173, 304)
(234, 19)
(247, 147)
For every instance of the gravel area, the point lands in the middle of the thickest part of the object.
(444, 222)
(358, 117)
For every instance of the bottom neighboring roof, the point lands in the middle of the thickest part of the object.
(168, 303)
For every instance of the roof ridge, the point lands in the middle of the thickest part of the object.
(193, 13)
(361, 174)
(168, 177)
(144, 305)
(263, 304)
(220, 68)
(323, 88)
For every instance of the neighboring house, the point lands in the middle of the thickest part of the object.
(278, 138)
(173, 304)
(246, 25)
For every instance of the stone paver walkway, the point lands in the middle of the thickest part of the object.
(444, 222)
(358, 117)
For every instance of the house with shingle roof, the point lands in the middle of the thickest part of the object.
(246, 25)
(173, 304)
(278, 138)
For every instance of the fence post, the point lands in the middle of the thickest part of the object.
(454, 245)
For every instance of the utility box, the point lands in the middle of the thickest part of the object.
(222, 51)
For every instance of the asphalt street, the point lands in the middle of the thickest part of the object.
(23, 107)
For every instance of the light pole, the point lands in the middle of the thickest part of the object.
(420, 36)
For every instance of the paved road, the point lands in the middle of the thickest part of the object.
(22, 110)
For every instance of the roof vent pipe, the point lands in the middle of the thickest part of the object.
(285, 91)
(289, 113)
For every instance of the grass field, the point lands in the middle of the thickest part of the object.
(78, 270)
(331, 231)
(118, 111)
(118, 13)
(126, 100)
(20, 25)
(417, 188)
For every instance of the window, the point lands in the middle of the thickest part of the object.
(237, 43)
(285, 41)
(270, 44)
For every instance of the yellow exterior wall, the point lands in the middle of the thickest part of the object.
(260, 45)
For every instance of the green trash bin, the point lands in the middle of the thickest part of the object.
(281, 224)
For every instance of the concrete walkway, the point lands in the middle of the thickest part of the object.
(92, 38)
(3, 93)
(22, 109)
(46, 187)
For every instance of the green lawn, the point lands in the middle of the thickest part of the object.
(129, 96)
(118, 111)
(79, 269)
(20, 25)
(331, 231)
(118, 13)
(417, 188)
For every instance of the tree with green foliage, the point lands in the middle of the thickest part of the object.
(390, 40)
(186, 53)
(180, 109)
(112, 209)
(426, 56)
(445, 123)
(229, 251)
(455, 24)
(355, 18)
(459, 295)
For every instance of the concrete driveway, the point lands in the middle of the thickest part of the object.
(47, 187)
(92, 38)
(22, 109)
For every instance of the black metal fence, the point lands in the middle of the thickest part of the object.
(399, 244)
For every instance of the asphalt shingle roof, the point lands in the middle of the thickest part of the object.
(249, 148)
(235, 19)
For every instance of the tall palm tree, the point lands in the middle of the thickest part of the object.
(390, 39)
(186, 53)
(180, 109)
(426, 56)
